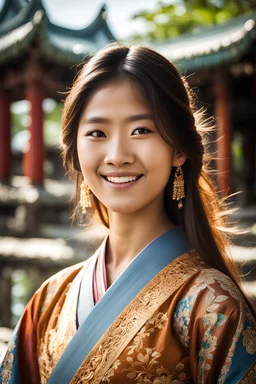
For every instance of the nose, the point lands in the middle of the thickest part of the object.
(118, 152)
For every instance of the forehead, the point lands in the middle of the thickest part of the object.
(119, 95)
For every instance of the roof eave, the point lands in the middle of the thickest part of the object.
(22, 17)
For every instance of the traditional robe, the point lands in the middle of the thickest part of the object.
(188, 324)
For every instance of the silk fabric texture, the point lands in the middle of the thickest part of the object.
(188, 324)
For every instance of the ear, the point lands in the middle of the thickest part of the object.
(178, 159)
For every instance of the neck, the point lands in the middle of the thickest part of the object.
(130, 233)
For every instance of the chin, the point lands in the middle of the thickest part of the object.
(122, 210)
(125, 208)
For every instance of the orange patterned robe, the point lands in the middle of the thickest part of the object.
(189, 324)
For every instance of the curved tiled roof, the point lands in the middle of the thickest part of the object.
(22, 22)
(212, 46)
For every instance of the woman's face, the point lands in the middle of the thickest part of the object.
(124, 160)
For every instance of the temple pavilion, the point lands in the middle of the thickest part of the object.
(39, 60)
(219, 62)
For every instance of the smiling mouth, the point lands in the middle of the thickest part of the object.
(122, 180)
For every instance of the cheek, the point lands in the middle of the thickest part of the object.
(86, 156)
(158, 158)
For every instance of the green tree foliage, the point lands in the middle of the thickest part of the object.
(181, 16)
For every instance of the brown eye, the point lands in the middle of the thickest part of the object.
(141, 131)
(96, 134)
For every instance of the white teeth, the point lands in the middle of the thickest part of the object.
(124, 179)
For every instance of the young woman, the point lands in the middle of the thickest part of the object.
(159, 301)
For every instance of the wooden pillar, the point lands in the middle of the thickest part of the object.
(34, 159)
(5, 136)
(224, 132)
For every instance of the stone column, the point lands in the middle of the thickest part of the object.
(5, 136)
(224, 132)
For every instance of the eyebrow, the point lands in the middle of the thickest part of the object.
(104, 120)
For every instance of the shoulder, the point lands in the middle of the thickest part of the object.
(58, 278)
(210, 282)
(59, 282)
(211, 299)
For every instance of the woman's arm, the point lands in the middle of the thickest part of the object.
(218, 330)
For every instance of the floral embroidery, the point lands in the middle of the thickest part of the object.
(133, 317)
(242, 313)
(7, 364)
(208, 346)
(146, 369)
(55, 341)
(156, 322)
(211, 276)
(111, 372)
(249, 340)
(250, 377)
(212, 319)
(182, 319)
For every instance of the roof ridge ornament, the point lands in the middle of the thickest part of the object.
(249, 24)
(38, 16)
(103, 11)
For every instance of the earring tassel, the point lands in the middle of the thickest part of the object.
(178, 187)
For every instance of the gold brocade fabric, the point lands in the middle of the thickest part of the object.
(183, 327)
(128, 324)
(7, 364)
(54, 342)
(189, 324)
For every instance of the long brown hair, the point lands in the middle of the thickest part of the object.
(178, 123)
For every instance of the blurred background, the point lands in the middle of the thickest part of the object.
(42, 46)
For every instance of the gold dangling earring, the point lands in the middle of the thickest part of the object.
(178, 186)
(85, 197)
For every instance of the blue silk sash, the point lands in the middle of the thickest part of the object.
(148, 263)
